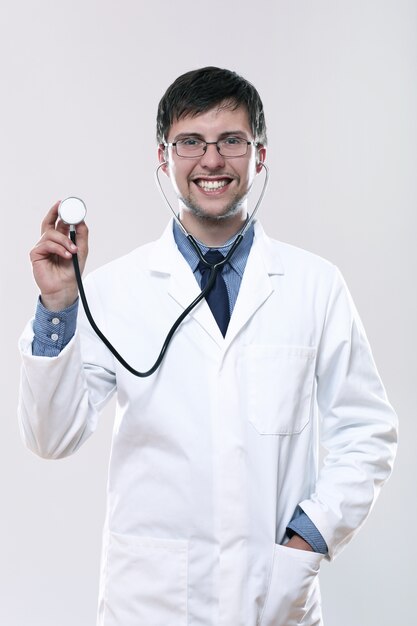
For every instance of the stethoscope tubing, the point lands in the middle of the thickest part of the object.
(214, 269)
(213, 273)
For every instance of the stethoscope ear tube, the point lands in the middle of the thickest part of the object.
(132, 370)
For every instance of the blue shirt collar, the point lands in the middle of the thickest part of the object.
(239, 257)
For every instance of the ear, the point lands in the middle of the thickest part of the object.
(260, 157)
(163, 158)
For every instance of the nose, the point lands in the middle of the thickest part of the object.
(212, 159)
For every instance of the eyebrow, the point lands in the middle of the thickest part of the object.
(227, 133)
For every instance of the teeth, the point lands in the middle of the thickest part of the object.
(212, 184)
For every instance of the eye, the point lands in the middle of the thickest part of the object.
(233, 141)
(190, 142)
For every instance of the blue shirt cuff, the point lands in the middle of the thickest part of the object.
(53, 330)
(302, 525)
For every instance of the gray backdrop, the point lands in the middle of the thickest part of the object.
(81, 80)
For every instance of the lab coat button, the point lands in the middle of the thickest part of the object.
(54, 337)
(55, 320)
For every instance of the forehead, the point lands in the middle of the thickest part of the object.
(213, 123)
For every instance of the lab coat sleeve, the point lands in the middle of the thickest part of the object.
(60, 397)
(358, 425)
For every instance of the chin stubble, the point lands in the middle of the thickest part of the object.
(233, 209)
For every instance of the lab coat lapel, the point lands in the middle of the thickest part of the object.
(256, 286)
(166, 259)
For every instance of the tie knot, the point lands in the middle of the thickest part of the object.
(212, 257)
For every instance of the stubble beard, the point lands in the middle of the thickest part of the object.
(231, 210)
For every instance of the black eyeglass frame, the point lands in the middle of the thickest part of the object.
(212, 143)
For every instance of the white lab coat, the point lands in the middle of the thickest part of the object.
(213, 453)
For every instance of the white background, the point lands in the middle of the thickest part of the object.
(80, 83)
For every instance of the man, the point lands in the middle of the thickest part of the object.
(217, 514)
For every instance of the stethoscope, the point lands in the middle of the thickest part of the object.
(72, 211)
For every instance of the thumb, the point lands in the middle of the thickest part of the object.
(81, 240)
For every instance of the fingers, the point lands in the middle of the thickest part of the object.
(53, 242)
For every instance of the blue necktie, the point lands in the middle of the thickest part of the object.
(217, 297)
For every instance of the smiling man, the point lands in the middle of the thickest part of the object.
(218, 513)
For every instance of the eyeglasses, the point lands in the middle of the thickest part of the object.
(229, 147)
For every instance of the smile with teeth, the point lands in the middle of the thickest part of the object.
(212, 185)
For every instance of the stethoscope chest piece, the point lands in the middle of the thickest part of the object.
(72, 210)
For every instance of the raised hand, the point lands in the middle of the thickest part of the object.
(52, 264)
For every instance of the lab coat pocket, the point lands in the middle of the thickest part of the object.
(146, 581)
(280, 386)
(293, 597)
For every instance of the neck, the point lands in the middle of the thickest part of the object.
(212, 232)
